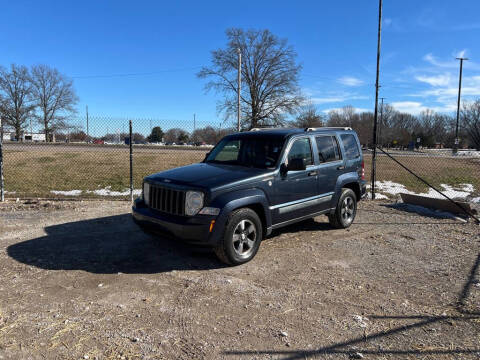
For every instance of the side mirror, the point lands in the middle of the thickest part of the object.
(297, 164)
(283, 170)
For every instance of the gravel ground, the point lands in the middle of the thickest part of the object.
(78, 280)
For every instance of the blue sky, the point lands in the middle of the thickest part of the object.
(163, 44)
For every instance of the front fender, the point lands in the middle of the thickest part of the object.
(231, 201)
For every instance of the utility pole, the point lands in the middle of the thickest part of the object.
(194, 122)
(375, 117)
(457, 140)
(239, 86)
(380, 123)
(86, 109)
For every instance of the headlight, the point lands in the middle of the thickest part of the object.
(146, 193)
(193, 202)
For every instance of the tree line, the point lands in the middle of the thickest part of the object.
(40, 93)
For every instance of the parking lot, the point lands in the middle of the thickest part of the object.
(80, 281)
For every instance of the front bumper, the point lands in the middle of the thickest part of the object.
(190, 229)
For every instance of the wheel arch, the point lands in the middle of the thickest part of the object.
(254, 199)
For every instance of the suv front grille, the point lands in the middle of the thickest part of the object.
(167, 200)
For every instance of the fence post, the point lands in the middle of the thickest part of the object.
(2, 183)
(131, 160)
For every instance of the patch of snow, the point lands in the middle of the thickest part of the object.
(476, 200)
(67, 193)
(391, 187)
(469, 153)
(101, 192)
(378, 196)
(107, 192)
(461, 191)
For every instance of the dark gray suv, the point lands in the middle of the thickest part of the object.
(253, 182)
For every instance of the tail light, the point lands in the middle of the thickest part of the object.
(363, 170)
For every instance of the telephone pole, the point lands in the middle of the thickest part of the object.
(457, 140)
(194, 120)
(239, 86)
(380, 123)
(375, 117)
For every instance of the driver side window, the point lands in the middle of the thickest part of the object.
(301, 149)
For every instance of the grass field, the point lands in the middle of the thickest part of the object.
(36, 171)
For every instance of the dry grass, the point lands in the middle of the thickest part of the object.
(35, 172)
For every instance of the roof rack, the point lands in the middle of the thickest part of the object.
(329, 128)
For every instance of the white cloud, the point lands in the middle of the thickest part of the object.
(350, 81)
(435, 80)
(411, 107)
(357, 110)
(415, 107)
(434, 61)
(326, 100)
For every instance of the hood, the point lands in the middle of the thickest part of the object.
(207, 175)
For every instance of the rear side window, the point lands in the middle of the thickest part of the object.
(301, 150)
(350, 145)
(327, 149)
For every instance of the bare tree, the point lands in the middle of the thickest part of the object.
(16, 106)
(54, 96)
(471, 122)
(176, 135)
(309, 117)
(269, 73)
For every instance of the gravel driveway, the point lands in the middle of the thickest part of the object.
(78, 280)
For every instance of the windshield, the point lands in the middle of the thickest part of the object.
(252, 152)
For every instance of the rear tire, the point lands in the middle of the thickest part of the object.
(345, 211)
(242, 237)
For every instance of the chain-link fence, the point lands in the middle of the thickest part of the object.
(456, 175)
(92, 160)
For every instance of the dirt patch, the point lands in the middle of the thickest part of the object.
(78, 279)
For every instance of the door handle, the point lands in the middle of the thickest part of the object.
(312, 173)
(341, 167)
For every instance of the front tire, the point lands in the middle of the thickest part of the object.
(242, 237)
(346, 210)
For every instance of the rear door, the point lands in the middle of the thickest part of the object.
(331, 166)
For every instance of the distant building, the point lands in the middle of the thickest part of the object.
(26, 136)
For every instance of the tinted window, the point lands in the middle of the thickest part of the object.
(350, 145)
(301, 150)
(327, 148)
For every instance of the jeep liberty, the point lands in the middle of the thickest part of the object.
(253, 182)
